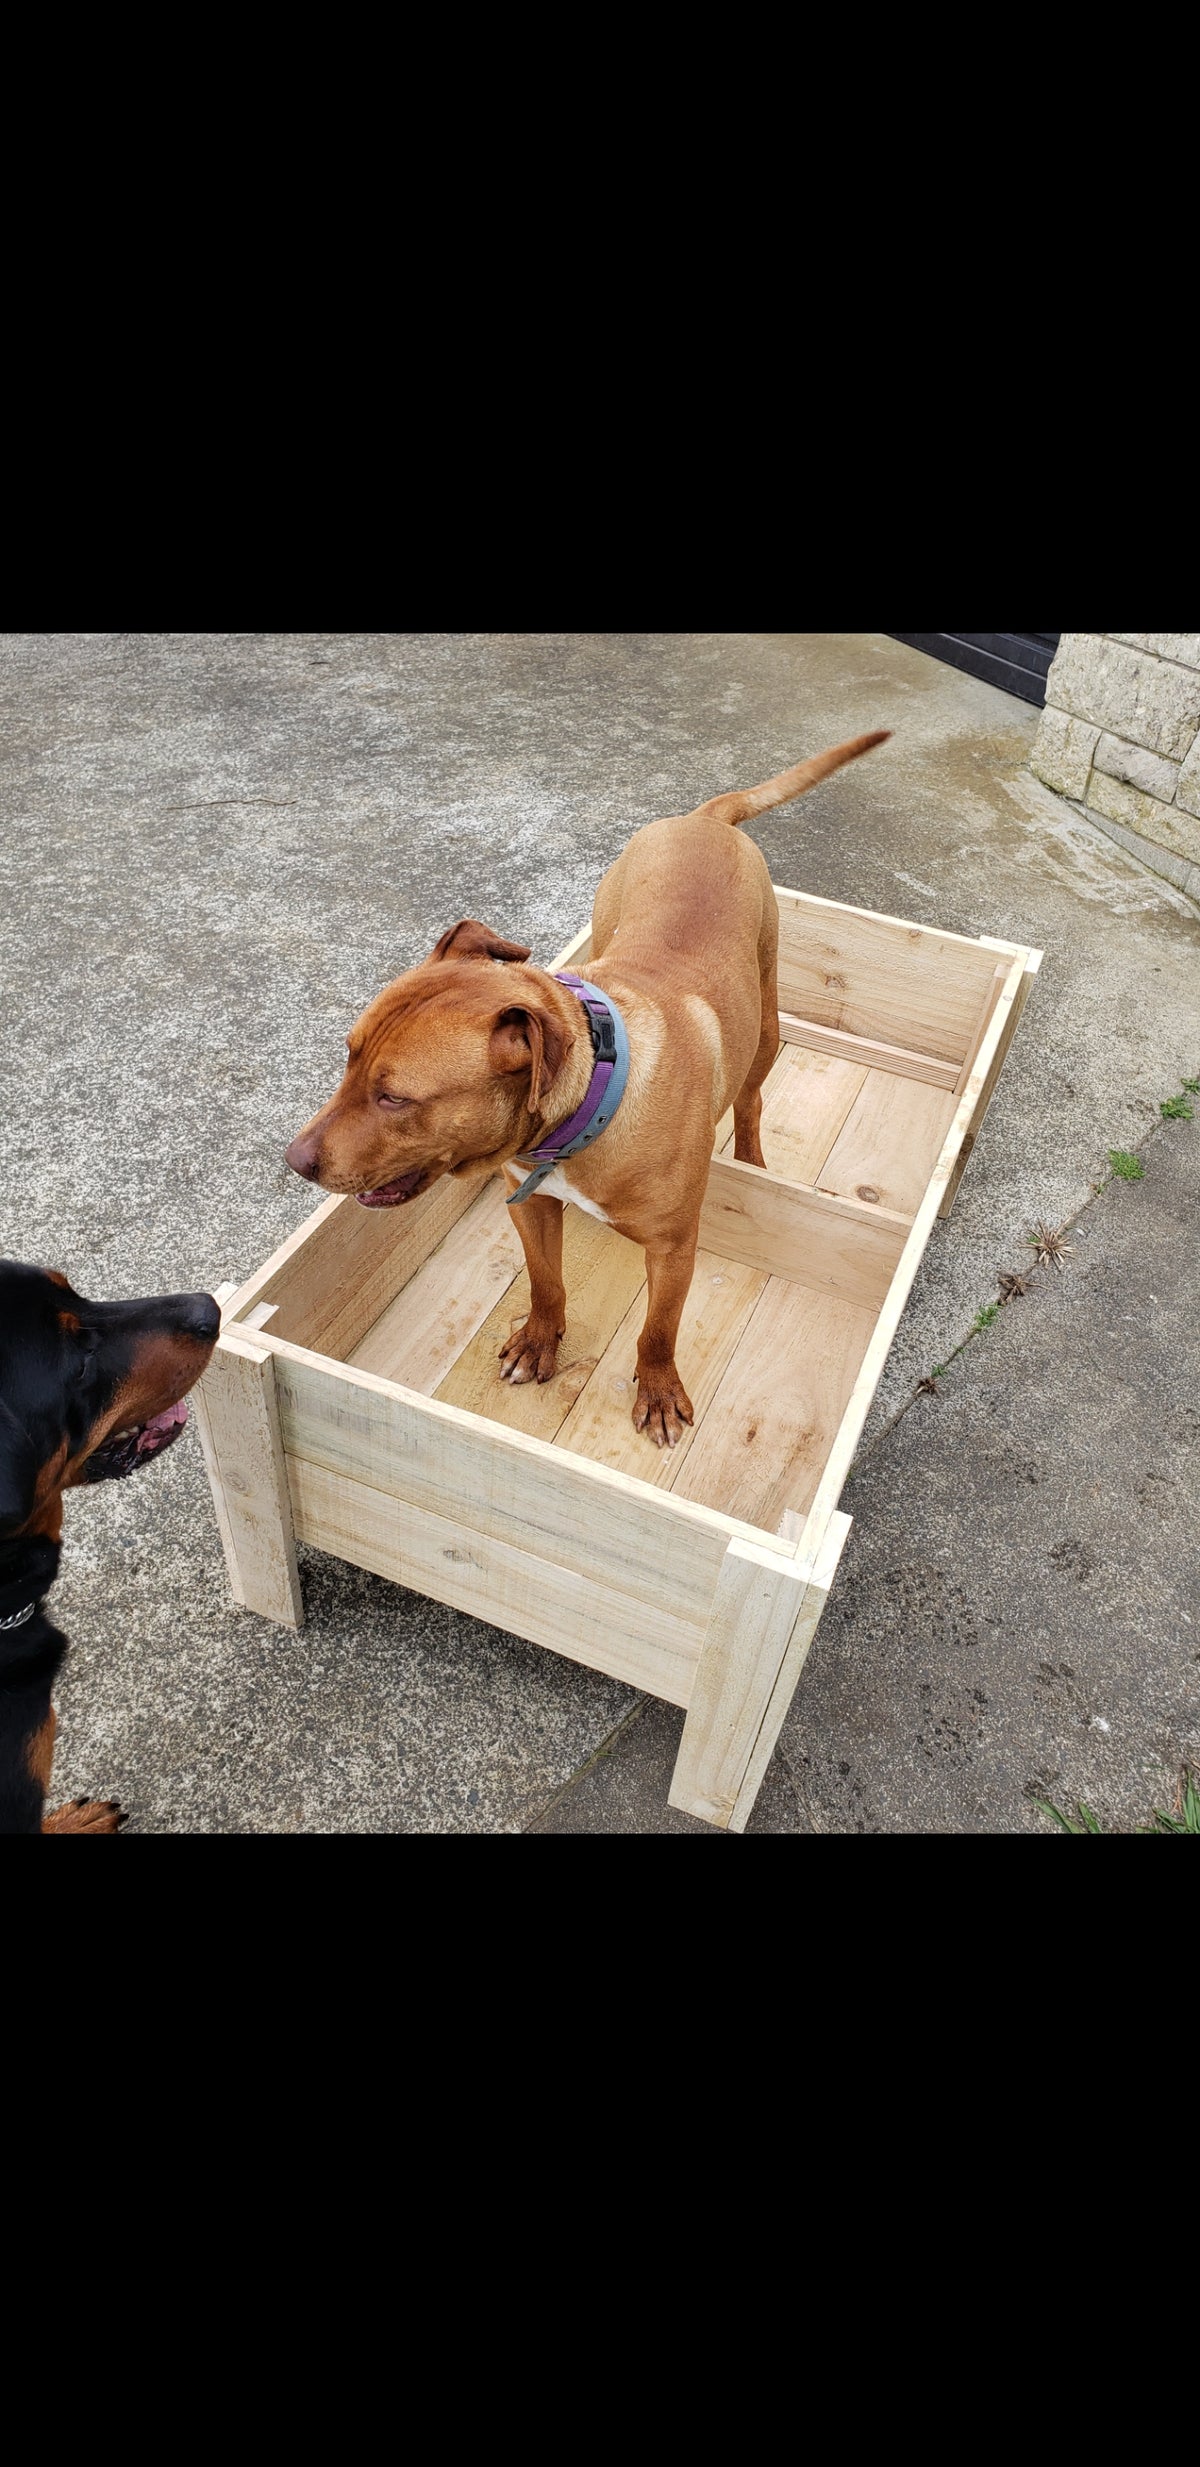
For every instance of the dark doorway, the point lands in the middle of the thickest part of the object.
(1017, 662)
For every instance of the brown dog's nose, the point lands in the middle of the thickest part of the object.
(303, 1156)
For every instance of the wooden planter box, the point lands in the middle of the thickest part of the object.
(353, 1400)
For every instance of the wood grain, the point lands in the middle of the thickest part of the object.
(237, 1416)
(775, 1415)
(721, 1300)
(603, 1273)
(836, 1246)
(648, 1645)
(889, 1144)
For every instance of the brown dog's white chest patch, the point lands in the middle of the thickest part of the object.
(556, 1186)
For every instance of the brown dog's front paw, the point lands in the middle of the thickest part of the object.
(663, 1406)
(531, 1353)
(86, 1816)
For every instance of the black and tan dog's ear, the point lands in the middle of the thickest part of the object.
(471, 940)
(530, 1039)
(18, 1473)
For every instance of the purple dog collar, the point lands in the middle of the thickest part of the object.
(610, 1070)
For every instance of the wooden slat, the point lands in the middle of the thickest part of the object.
(829, 913)
(237, 1416)
(810, 1097)
(422, 1333)
(986, 1008)
(907, 985)
(889, 1144)
(517, 1490)
(816, 1595)
(763, 1445)
(602, 1273)
(873, 1055)
(650, 1646)
(720, 1301)
(837, 1246)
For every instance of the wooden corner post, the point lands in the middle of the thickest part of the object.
(1033, 961)
(238, 1420)
(763, 1619)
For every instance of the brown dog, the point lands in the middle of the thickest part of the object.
(462, 1065)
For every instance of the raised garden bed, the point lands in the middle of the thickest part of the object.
(354, 1398)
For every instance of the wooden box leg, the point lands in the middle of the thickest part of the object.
(238, 1421)
(763, 1619)
(988, 1089)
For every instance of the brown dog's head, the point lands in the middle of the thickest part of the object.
(449, 1071)
(88, 1390)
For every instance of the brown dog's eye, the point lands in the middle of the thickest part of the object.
(394, 1103)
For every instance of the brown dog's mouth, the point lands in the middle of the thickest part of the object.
(127, 1449)
(394, 1194)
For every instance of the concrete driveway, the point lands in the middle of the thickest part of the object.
(214, 849)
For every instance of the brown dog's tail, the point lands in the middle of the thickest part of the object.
(738, 805)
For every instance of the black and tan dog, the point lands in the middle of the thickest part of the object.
(88, 1391)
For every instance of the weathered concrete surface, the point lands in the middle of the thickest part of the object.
(1017, 1613)
(214, 849)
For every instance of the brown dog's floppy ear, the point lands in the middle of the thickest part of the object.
(18, 1473)
(471, 940)
(528, 1037)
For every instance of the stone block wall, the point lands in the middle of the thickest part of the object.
(1120, 736)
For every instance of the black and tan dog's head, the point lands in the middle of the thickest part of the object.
(88, 1390)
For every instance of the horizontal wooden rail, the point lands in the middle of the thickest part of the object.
(873, 1055)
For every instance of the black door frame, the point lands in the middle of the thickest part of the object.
(1016, 662)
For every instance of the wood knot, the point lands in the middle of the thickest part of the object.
(840, 982)
(867, 1191)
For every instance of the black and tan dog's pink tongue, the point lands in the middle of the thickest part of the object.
(162, 1426)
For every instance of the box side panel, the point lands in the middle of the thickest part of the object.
(839, 1246)
(330, 1281)
(573, 1613)
(537, 1499)
(994, 1040)
(876, 977)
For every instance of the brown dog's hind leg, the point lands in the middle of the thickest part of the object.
(532, 1350)
(663, 1404)
(747, 1104)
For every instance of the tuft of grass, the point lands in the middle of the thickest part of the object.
(1185, 1817)
(1192, 1086)
(1176, 1109)
(1090, 1824)
(983, 1319)
(1130, 1168)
